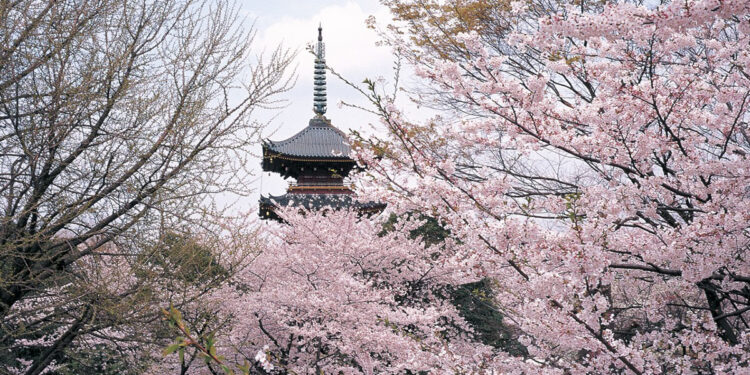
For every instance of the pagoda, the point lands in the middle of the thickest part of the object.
(317, 158)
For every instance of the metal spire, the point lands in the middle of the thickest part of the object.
(319, 78)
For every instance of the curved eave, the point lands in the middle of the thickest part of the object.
(292, 165)
(269, 204)
(269, 153)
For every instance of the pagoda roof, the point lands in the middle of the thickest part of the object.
(319, 139)
(318, 201)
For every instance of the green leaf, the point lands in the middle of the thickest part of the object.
(245, 368)
(171, 349)
(176, 314)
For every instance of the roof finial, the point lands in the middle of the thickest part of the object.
(319, 78)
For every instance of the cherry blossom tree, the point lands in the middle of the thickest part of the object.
(592, 158)
(333, 292)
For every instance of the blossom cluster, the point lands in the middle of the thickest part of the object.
(595, 161)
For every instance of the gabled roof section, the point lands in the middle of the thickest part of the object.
(319, 139)
(318, 201)
(310, 201)
(269, 204)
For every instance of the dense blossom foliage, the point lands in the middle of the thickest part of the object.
(335, 292)
(593, 159)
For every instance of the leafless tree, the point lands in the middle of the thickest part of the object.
(117, 119)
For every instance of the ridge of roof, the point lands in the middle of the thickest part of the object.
(318, 139)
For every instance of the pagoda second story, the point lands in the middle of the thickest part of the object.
(317, 158)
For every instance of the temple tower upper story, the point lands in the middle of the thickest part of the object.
(317, 157)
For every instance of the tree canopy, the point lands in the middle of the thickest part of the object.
(592, 157)
(118, 120)
(577, 203)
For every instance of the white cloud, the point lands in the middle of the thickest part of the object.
(350, 45)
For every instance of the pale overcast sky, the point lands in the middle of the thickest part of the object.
(350, 50)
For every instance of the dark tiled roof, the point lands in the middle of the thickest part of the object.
(319, 139)
(317, 201)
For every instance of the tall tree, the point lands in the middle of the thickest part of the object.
(117, 119)
(592, 157)
(333, 292)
